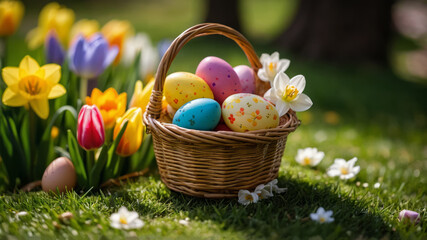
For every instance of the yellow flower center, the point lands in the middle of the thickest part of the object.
(322, 219)
(272, 66)
(249, 197)
(290, 93)
(32, 85)
(306, 161)
(123, 220)
(344, 171)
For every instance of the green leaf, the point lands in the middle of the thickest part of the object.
(77, 160)
(140, 161)
(112, 156)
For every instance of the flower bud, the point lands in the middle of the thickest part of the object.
(408, 215)
(90, 128)
(54, 52)
(133, 135)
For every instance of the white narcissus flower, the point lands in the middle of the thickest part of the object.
(271, 66)
(309, 156)
(133, 46)
(246, 197)
(322, 216)
(287, 94)
(124, 219)
(344, 169)
(148, 62)
(263, 191)
(272, 187)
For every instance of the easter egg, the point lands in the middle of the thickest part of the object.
(220, 76)
(199, 114)
(60, 174)
(247, 78)
(247, 112)
(182, 87)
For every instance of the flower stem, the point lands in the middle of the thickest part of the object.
(3, 52)
(83, 89)
(33, 131)
(90, 160)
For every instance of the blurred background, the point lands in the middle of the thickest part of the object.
(365, 63)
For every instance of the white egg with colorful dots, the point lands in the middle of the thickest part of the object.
(244, 112)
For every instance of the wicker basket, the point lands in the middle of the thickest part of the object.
(214, 164)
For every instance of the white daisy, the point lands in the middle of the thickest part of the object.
(124, 219)
(321, 216)
(246, 197)
(271, 66)
(309, 156)
(344, 169)
(287, 94)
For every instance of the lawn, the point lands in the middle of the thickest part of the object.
(361, 111)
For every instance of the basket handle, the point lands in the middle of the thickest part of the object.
(155, 105)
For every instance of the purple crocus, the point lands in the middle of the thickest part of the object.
(163, 46)
(409, 216)
(54, 51)
(89, 58)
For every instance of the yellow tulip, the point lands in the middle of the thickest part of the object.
(11, 13)
(110, 104)
(116, 32)
(52, 17)
(141, 97)
(84, 27)
(30, 84)
(133, 135)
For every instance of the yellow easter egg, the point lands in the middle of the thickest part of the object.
(182, 87)
(244, 112)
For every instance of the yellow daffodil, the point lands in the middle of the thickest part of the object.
(30, 84)
(141, 96)
(116, 32)
(110, 104)
(133, 135)
(52, 17)
(11, 13)
(84, 27)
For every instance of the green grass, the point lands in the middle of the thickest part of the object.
(359, 111)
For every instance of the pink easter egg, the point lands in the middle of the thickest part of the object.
(220, 76)
(247, 78)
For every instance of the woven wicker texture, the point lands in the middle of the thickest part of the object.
(214, 164)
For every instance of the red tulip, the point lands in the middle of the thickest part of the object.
(90, 128)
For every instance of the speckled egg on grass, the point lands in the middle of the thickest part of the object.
(199, 114)
(182, 87)
(248, 112)
(220, 76)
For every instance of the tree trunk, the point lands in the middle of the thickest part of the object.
(225, 12)
(340, 30)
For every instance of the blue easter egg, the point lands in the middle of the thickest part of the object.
(199, 114)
